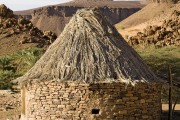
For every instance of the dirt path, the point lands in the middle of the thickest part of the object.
(165, 107)
(13, 114)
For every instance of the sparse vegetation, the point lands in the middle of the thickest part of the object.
(122, 27)
(15, 65)
(158, 60)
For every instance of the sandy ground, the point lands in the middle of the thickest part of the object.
(176, 114)
(165, 107)
(10, 115)
(9, 105)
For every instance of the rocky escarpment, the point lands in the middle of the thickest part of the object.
(58, 16)
(166, 34)
(14, 32)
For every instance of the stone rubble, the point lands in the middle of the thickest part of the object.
(165, 35)
(12, 25)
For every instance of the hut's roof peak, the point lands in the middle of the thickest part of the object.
(89, 50)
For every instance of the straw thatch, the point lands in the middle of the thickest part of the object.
(90, 49)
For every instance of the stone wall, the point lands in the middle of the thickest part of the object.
(101, 101)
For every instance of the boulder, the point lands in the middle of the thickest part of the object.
(160, 36)
(11, 25)
(22, 21)
(5, 12)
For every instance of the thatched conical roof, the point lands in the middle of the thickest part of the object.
(90, 50)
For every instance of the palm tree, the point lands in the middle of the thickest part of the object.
(26, 58)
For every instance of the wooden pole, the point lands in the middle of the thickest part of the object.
(170, 93)
(173, 109)
(23, 100)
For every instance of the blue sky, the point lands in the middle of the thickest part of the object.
(28, 4)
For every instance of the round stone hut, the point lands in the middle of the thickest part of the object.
(90, 73)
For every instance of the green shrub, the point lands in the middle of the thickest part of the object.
(5, 79)
(15, 65)
(5, 62)
(158, 59)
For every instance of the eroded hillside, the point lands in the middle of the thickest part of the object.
(19, 33)
(164, 35)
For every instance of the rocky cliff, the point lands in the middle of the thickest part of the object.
(55, 17)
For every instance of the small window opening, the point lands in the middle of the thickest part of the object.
(95, 111)
(115, 76)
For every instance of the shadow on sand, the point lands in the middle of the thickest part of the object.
(176, 115)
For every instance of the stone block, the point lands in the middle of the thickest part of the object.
(142, 101)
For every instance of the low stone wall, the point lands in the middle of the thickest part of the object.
(51, 100)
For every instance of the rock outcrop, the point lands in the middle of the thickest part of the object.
(21, 31)
(166, 34)
(5, 12)
(13, 26)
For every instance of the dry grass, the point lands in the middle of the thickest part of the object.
(165, 107)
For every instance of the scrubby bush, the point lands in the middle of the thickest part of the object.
(15, 65)
(158, 59)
